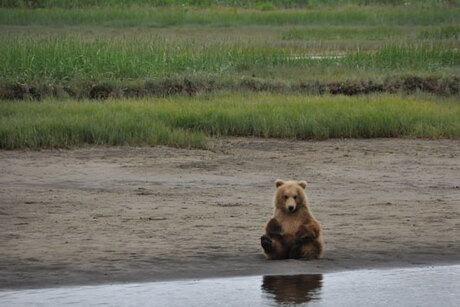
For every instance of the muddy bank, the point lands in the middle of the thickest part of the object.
(446, 86)
(98, 214)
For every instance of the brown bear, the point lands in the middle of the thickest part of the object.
(292, 232)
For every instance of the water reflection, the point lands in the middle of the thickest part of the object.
(292, 288)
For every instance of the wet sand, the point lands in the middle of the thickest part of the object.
(97, 215)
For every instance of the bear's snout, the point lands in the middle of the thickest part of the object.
(291, 203)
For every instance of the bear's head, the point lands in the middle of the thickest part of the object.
(290, 195)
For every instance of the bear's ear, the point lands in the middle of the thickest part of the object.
(303, 184)
(279, 183)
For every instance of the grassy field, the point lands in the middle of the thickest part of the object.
(224, 17)
(187, 71)
(190, 122)
(128, 50)
(65, 59)
(260, 4)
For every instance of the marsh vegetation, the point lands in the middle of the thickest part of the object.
(190, 122)
(245, 55)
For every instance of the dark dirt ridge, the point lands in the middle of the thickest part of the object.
(445, 86)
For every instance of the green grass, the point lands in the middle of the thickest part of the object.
(61, 52)
(444, 32)
(331, 33)
(68, 59)
(61, 60)
(190, 122)
(162, 48)
(205, 3)
(219, 17)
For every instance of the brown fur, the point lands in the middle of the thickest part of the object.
(292, 232)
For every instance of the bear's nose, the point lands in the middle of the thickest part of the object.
(291, 208)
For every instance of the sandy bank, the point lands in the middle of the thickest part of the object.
(100, 214)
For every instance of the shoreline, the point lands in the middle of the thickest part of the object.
(264, 270)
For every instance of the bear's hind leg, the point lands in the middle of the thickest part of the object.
(296, 251)
(273, 248)
(313, 250)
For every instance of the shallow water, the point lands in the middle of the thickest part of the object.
(427, 286)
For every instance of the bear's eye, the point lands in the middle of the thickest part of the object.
(295, 197)
(286, 197)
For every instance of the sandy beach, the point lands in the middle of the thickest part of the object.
(116, 214)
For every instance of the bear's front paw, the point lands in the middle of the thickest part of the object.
(266, 243)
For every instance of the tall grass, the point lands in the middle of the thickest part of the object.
(60, 52)
(203, 3)
(151, 17)
(399, 57)
(62, 125)
(59, 61)
(444, 32)
(186, 122)
(372, 33)
(334, 33)
(69, 59)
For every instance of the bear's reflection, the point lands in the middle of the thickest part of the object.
(293, 288)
